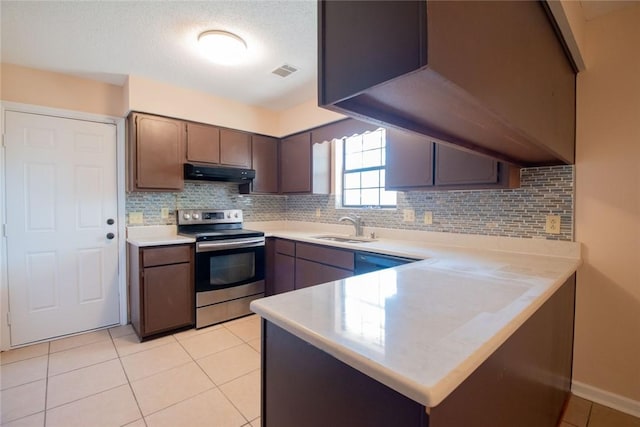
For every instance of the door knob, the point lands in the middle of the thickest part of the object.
(110, 236)
(110, 221)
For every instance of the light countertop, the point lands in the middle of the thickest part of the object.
(423, 328)
(155, 235)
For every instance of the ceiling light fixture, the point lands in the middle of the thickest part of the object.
(222, 47)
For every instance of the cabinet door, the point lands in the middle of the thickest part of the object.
(235, 148)
(158, 153)
(309, 273)
(409, 161)
(295, 164)
(264, 159)
(283, 273)
(168, 298)
(203, 143)
(457, 167)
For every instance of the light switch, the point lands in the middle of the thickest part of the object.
(428, 218)
(409, 215)
(164, 213)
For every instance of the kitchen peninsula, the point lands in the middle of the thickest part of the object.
(480, 332)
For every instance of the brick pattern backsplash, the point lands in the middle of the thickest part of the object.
(519, 212)
(198, 195)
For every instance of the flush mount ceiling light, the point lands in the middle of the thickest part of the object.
(222, 47)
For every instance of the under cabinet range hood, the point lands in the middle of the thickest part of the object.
(218, 173)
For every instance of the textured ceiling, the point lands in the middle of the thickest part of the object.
(108, 40)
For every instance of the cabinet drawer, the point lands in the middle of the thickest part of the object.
(325, 255)
(166, 255)
(286, 247)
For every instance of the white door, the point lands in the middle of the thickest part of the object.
(61, 203)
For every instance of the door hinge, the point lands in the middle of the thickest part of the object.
(8, 318)
(4, 230)
(3, 140)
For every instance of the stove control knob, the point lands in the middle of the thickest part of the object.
(186, 216)
(196, 216)
(236, 215)
(229, 215)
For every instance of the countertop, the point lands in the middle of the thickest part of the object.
(423, 328)
(155, 235)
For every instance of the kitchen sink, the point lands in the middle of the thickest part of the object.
(344, 239)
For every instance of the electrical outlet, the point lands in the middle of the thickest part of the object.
(164, 213)
(136, 218)
(318, 212)
(553, 224)
(409, 215)
(428, 218)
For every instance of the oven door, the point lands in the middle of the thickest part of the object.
(227, 263)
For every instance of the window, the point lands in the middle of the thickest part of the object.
(363, 171)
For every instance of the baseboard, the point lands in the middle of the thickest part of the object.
(615, 401)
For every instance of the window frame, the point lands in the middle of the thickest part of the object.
(381, 167)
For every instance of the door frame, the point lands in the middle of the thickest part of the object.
(119, 122)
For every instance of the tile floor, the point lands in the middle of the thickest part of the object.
(107, 378)
(584, 413)
(194, 378)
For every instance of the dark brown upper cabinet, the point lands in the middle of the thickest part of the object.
(409, 161)
(235, 148)
(203, 143)
(416, 163)
(492, 77)
(154, 153)
(211, 144)
(304, 165)
(264, 160)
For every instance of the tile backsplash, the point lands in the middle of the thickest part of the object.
(519, 212)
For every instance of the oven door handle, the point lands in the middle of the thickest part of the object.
(221, 246)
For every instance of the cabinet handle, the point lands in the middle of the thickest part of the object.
(110, 221)
(110, 236)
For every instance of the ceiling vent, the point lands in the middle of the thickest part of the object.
(284, 70)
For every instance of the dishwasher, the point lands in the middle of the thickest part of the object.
(366, 262)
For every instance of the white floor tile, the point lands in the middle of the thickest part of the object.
(79, 340)
(129, 344)
(193, 332)
(170, 387)
(23, 353)
(244, 393)
(83, 382)
(79, 357)
(152, 361)
(255, 344)
(204, 410)
(137, 423)
(121, 331)
(22, 372)
(35, 420)
(230, 364)
(23, 400)
(115, 407)
(256, 422)
(247, 328)
(205, 344)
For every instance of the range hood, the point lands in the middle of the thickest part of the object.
(218, 173)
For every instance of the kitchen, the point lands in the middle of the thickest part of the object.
(605, 365)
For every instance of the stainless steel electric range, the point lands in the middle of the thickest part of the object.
(229, 263)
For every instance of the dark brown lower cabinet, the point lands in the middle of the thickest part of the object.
(524, 383)
(161, 288)
(309, 273)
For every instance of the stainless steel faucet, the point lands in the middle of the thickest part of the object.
(357, 223)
